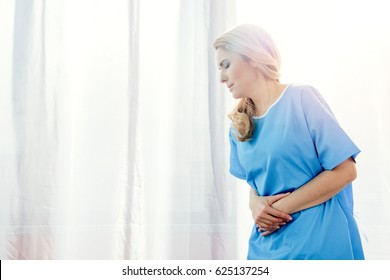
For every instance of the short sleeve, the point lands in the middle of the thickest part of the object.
(333, 145)
(236, 168)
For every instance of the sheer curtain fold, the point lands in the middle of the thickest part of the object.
(185, 219)
(33, 199)
(132, 244)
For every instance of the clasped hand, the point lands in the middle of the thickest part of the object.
(267, 218)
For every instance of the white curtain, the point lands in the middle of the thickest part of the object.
(113, 128)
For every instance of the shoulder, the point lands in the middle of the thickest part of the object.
(303, 89)
(306, 93)
(312, 101)
(309, 99)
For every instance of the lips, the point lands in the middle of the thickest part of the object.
(229, 86)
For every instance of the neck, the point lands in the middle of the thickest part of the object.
(265, 94)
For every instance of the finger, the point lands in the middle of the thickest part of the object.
(271, 215)
(268, 224)
(263, 227)
(270, 219)
(268, 229)
(268, 232)
(263, 223)
(279, 214)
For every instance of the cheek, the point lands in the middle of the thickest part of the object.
(236, 74)
(240, 79)
(240, 73)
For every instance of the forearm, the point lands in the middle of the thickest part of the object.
(321, 188)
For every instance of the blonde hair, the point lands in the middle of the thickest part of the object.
(254, 44)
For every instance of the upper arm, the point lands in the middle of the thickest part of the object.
(333, 145)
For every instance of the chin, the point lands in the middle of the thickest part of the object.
(237, 96)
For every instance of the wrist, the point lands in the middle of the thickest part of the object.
(279, 205)
(252, 202)
(252, 197)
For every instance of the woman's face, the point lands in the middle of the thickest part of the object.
(238, 74)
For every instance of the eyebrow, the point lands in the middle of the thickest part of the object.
(220, 64)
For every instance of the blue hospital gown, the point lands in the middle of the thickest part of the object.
(293, 142)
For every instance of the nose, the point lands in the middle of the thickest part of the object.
(223, 77)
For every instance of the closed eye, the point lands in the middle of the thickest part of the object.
(225, 64)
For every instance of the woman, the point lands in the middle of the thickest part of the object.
(289, 147)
